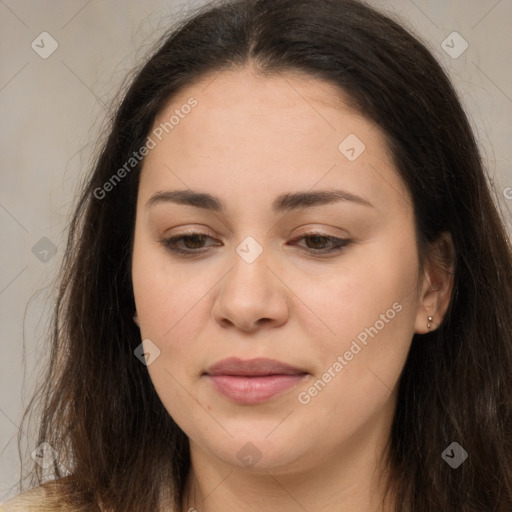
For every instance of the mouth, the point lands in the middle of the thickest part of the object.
(253, 381)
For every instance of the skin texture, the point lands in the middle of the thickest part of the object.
(248, 140)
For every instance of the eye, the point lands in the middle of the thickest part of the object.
(193, 243)
(319, 240)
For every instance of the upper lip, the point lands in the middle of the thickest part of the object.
(255, 367)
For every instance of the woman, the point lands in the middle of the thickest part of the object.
(286, 285)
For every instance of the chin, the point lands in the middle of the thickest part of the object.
(258, 447)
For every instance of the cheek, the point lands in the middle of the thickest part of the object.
(373, 318)
(170, 310)
(370, 308)
(171, 302)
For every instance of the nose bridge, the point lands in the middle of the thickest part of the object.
(251, 263)
(250, 276)
(251, 292)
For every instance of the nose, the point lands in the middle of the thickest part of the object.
(252, 296)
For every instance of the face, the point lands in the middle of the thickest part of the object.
(305, 255)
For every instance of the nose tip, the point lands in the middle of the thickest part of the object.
(247, 326)
(251, 298)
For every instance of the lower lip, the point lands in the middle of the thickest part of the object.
(253, 390)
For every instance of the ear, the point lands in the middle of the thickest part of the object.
(136, 318)
(437, 284)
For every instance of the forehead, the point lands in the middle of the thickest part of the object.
(248, 86)
(249, 135)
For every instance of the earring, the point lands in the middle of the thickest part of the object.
(429, 320)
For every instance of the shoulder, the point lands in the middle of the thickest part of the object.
(57, 495)
(32, 500)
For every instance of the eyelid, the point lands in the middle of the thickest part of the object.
(321, 231)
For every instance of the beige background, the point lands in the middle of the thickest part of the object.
(51, 112)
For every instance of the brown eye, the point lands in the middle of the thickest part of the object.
(319, 243)
(192, 242)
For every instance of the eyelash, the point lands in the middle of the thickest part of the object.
(169, 243)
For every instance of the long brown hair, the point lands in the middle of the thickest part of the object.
(100, 411)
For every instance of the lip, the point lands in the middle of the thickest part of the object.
(252, 367)
(253, 381)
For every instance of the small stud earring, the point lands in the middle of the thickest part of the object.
(429, 320)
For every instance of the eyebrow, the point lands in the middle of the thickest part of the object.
(283, 203)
